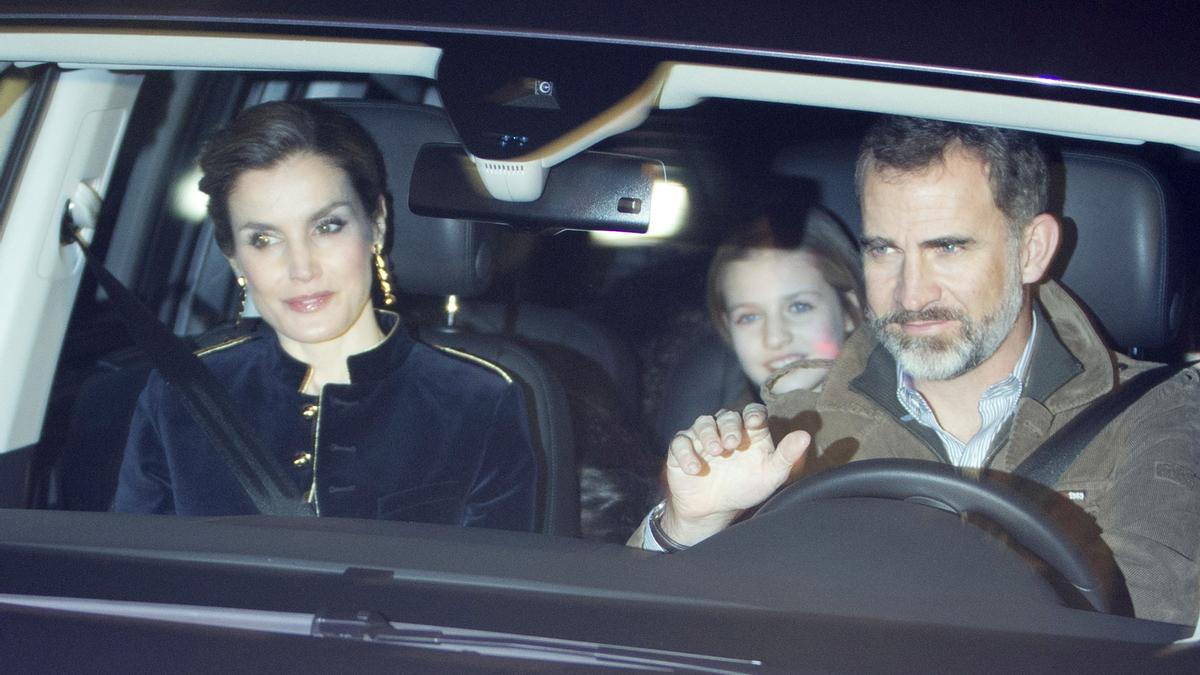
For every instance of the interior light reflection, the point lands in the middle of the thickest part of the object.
(668, 212)
(188, 203)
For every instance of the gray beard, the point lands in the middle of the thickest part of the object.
(947, 357)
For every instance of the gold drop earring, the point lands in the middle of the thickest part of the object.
(385, 279)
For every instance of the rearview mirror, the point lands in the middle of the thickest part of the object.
(590, 191)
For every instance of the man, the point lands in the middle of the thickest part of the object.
(970, 358)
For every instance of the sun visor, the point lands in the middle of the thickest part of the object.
(590, 191)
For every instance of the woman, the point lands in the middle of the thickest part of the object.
(369, 423)
(784, 293)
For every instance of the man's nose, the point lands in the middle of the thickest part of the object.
(776, 333)
(917, 288)
(302, 262)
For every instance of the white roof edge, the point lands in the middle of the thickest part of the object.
(169, 50)
(687, 84)
(673, 85)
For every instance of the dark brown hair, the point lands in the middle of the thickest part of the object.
(1015, 164)
(262, 136)
(792, 228)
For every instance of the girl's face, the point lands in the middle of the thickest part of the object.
(302, 239)
(779, 310)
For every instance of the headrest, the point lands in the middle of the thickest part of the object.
(1118, 252)
(430, 256)
(1116, 256)
(824, 173)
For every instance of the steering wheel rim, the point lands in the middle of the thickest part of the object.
(943, 486)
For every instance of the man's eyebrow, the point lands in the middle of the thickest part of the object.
(941, 242)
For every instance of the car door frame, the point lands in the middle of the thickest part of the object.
(68, 159)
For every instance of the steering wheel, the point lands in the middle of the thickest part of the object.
(942, 486)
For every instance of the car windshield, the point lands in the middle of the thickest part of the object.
(698, 240)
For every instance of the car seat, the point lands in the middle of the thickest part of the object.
(448, 258)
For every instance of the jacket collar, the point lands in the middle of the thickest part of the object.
(1052, 365)
(380, 361)
(1070, 365)
(877, 382)
(374, 364)
(1076, 367)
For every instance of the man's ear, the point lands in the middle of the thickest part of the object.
(1039, 243)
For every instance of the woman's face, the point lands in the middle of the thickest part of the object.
(779, 309)
(302, 239)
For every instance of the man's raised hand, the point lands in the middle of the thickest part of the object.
(723, 465)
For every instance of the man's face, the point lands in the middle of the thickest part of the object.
(942, 272)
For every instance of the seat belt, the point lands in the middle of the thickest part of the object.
(260, 474)
(1054, 456)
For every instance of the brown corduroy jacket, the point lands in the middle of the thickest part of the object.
(1138, 480)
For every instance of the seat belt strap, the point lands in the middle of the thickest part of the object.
(260, 475)
(1054, 456)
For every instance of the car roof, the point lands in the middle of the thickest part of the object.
(1120, 45)
(664, 74)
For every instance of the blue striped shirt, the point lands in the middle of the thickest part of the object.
(998, 404)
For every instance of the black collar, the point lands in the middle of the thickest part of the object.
(1051, 365)
(371, 365)
(878, 383)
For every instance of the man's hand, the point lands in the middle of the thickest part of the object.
(721, 466)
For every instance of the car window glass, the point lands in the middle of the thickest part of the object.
(622, 320)
(15, 85)
(16, 92)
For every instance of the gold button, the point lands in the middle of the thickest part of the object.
(309, 411)
(301, 460)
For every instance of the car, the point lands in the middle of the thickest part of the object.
(673, 119)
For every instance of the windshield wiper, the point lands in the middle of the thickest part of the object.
(373, 627)
(368, 626)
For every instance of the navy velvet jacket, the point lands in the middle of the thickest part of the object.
(418, 435)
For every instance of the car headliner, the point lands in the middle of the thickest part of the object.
(1124, 45)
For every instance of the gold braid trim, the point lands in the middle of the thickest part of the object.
(477, 361)
(220, 346)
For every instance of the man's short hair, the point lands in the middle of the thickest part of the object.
(1015, 164)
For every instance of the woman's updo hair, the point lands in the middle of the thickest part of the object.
(262, 136)
(788, 226)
